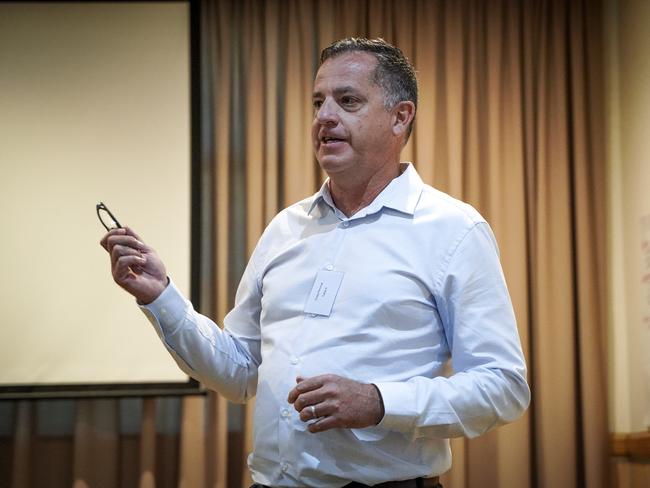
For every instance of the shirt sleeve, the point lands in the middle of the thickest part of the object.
(488, 386)
(223, 360)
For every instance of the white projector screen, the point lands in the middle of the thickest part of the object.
(94, 106)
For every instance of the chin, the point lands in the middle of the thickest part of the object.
(333, 165)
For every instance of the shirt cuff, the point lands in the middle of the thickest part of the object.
(168, 310)
(399, 403)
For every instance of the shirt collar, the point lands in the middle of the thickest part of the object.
(401, 194)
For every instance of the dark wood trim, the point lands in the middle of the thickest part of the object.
(634, 445)
(118, 390)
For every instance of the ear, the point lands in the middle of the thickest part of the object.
(403, 114)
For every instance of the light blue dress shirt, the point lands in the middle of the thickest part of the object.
(422, 283)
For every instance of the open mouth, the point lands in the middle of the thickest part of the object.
(331, 140)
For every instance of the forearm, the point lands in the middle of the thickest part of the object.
(466, 404)
(489, 385)
(201, 349)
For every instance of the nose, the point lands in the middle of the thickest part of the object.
(327, 114)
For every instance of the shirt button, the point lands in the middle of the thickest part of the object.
(346, 224)
(294, 360)
(329, 267)
(312, 315)
(285, 412)
(285, 467)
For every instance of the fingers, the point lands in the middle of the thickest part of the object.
(113, 237)
(324, 408)
(112, 232)
(125, 240)
(336, 402)
(312, 398)
(306, 400)
(306, 385)
(122, 245)
(119, 251)
(323, 424)
(126, 266)
(127, 253)
(135, 266)
(130, 232)
(122, 256)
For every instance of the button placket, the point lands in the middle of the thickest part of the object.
(284, 435)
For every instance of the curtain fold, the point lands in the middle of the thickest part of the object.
(509, 121)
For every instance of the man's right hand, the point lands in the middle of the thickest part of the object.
(135, 266)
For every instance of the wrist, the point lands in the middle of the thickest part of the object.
(152, 295)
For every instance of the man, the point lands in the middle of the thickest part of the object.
(352, 302)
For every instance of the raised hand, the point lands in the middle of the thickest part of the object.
(135, 266)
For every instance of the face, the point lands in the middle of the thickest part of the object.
(351, 132)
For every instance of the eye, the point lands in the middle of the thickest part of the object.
(350, 103)
(317, 104)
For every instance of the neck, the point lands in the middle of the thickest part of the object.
(350, 196)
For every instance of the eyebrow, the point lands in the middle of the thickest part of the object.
(337, 91)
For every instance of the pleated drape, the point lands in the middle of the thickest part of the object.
(510, 120)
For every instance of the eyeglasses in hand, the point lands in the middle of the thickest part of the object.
(106, 217)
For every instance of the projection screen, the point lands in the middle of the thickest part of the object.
(94, 106)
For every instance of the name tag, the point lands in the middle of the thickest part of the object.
(322, 295)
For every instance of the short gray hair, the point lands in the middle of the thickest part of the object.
(394, 72)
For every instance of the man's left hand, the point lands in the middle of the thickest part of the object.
(337, 402)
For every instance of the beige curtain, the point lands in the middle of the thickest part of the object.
(509, 120)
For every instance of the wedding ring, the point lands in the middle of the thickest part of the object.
(313, 411)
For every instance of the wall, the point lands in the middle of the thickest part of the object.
(629, 204)
(627, 57)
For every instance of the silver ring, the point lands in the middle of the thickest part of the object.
(313, 411)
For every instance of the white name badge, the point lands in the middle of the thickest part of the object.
(322, 295)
